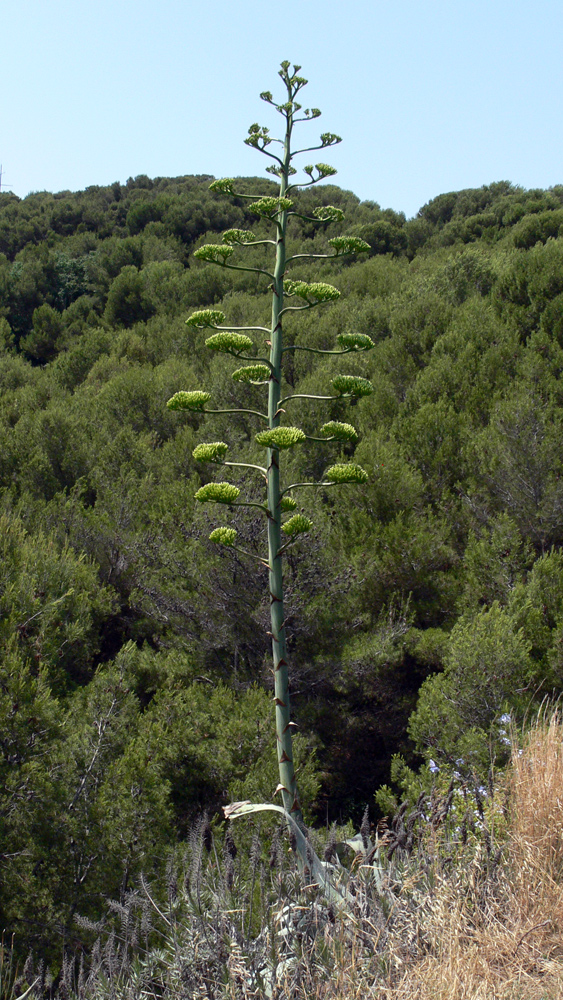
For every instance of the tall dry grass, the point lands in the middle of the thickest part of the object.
(494, 931)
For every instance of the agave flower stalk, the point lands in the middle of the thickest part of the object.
(288, 296)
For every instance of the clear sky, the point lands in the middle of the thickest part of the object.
(429, 96)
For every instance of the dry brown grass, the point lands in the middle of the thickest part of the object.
(494, 931)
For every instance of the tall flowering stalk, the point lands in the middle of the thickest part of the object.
(288, 296)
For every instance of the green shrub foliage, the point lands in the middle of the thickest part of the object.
(431, 591)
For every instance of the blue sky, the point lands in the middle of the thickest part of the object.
(429, 96)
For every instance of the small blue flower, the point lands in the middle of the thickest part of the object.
(433, 767)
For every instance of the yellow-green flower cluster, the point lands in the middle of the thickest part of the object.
(255, 374)
(229, 342)
(280, 437)
(258, 134)
(287, 504)
(214, 253)
(268, 207)
(328, 213)
(194, 400)
(224, 184)
(297, 525)
(330, 138)
(349, 244)
(223, 536)
(217, 493)
(317, 291)
(278, 171)
(239, 236)
(325, 170)
(352, 385)
(355, 341)
(339, 432)
(206, 317)
(346, 473)
(215, 451)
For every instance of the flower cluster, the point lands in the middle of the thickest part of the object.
(297, 525)
(194, 400)
(355, 341)
(229, 342)
(206, 317)
(287, 504)
(317, 291)
(330, 139)
(224, 184)
(339, 432)
(217, 493)
(349, 244)
(328, 213)
(325, 170)
(346, 473)
(258, 136)
(238, 236)
(268, 207)
(255, 374)
(213, 253)
(215, 451)
(280, 437)
(223, 536)
(352, 385)
(278, 171)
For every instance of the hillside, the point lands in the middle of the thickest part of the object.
(134, 684)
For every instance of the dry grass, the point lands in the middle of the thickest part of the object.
(494, 931)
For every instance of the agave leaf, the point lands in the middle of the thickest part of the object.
(319, 871)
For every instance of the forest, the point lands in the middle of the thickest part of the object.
(423, 609)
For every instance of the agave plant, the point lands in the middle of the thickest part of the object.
(276, 436)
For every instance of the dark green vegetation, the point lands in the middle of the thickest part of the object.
(135, 675)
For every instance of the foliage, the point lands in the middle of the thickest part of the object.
(433, 588)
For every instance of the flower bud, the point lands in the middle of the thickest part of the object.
(325, 170)
(238, 236)
(223, 536)
(328, 213)
(330, 139)
(224, 184)
(297, 525)
(349, 244)
(338, 431)
(280, 437)
(213, 253)
(217, 493)
(313, 292)
(287, 503)
(206, 317)
(352, 385)
(254, 374)
(346, 473)
(215, 451)
(269, 207)
(355, 341)
(229, 342)
(194, 400)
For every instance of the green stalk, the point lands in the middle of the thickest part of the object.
(288, 784)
